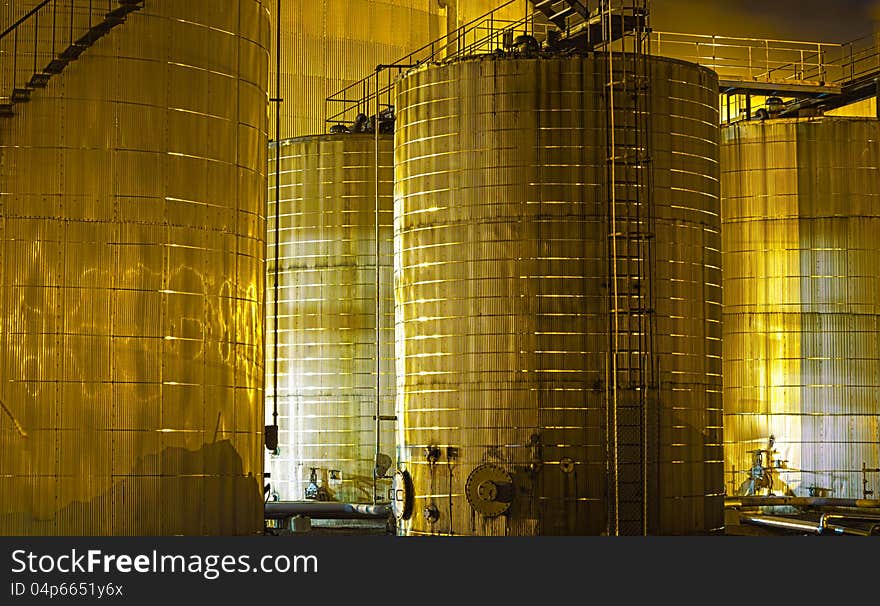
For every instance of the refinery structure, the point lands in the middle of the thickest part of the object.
(433, 267)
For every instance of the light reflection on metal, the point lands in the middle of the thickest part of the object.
(132, 267)
(801, 217)
(502, 341)
(327, 318)
(330, 43)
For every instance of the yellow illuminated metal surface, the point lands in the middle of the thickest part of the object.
(329, 44)
(866, 108)
(501, 280)
(801, 215)
(133, 242)
(469, 10)
(327, 313)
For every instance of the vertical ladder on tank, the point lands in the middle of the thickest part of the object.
(631, 424)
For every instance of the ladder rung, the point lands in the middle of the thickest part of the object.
(633, 235)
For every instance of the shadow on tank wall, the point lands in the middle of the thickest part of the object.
(169, 495)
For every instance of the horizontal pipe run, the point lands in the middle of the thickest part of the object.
(783, 523)
(873, 520)
(325, 510)
(801, 502)
(856, 532)
(823, 526)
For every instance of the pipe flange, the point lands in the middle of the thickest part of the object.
(489, 490)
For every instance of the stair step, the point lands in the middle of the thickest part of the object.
(20, 95)
(580, 8)
(544, 4)
(72, 52)
(39, 80)
(129, 6)
(56, 66)
(118, 15)
(562, 14)
(93, 35)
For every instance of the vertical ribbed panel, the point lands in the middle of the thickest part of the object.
(473, 9)
(329, 44)
(501, 290)
(327, 313)
(801, 291)
(133, 240)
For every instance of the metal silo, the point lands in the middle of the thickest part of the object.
(327, 309)
(801, 342)
(329, 44)
(133, 243)
(502, 287)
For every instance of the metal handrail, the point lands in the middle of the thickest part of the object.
(24, 18)
(483, 30)
(750, 58)
(743, 58)
(431, 45)
(57, 32)
(827, 62)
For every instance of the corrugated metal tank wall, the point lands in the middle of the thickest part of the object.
(327, 313)
(133, 237)
(329, 44)
(801, 213)
(469, 10)
(501, 290)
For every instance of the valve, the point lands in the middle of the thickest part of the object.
(431, 513)
(432, 454)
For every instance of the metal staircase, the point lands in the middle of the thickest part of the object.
(564, 14)
(50, 36)
(580, 26)
(632, 403)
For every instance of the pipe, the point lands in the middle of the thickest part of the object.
(821, 527)
(801, 502)
(783, 523)
(451, 7)
(874, 528)
(278, 99)
(325, 510)
(378, 327)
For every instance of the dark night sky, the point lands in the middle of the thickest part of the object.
(819, 20)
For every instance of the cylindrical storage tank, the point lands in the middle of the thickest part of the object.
(133, 244)
(503, 302)
(801, 214)
(329, 187)
(330, 44)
